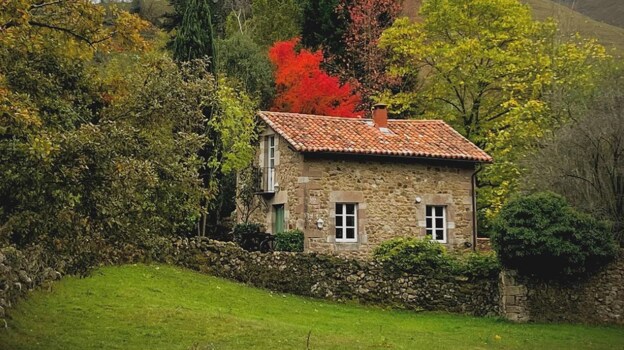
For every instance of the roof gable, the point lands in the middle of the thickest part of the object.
(407, 138)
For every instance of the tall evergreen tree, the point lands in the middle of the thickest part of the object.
(195, 37)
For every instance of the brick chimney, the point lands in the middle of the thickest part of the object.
(380, 115)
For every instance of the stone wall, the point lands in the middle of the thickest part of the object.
(484, 244)
(20, 272)
(337, 278)
(597, 299)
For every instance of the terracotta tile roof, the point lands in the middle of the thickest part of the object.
(408, 138)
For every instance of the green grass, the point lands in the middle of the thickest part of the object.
(163, 307)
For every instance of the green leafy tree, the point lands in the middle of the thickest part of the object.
(241, 58)
(487, 68)
(324, 26)
(106, 147)
(195, 37)
(275, 20)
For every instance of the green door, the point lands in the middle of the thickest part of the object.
(278, 218)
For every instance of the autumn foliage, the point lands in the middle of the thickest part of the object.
(303, 87)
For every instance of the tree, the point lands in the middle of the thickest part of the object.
(73, 23)
(303, 87)
(98, 146)
(195, 36)
(487, 68)
(584, 160)
(324, 25)
(363, 59)
(275, 20)
(242, 59)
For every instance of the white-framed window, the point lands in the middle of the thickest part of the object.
(435, 216)
(270, 163)
(346, 222)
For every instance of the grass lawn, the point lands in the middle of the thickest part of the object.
(163, 307)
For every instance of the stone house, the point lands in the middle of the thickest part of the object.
(349, 184)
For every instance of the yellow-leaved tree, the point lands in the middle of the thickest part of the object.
(491, 71)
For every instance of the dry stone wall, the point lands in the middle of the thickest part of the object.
(338, 278)
(597, 299)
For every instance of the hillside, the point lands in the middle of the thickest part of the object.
(607, 11)
(569, 20)
(163, 307)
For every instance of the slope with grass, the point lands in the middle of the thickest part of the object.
(571, 22)
(608, 11)
(162, 307)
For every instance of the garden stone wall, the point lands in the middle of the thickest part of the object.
(598, 299)
(338, 278)
(19, 273)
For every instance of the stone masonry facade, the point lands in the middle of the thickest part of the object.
(391, 194)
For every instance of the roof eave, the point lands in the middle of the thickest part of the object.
(445, 159)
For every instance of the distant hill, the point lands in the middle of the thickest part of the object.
(570, 21)
(607, 11)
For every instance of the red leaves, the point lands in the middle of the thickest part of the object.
(303, 87)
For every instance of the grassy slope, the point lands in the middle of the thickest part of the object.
(160, 307)
(569, 20)
(608, 11)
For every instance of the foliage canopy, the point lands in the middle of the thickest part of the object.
(303, 87)
(487, 68)
(541, 234)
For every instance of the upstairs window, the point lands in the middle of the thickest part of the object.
(436, 222)
(346, 222)
(270, 164)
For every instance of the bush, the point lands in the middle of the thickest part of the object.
(542, 235)
(477, 265)
(289, 241)
(413, 255)
(248, 235)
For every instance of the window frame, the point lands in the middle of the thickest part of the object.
(434, 227)
(343, 228)
(270, 163)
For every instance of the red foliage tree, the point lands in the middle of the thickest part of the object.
(303, 87)
(363, 59)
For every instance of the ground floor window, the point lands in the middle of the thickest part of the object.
(436, 222)
(346, 222)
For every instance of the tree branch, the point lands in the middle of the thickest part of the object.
(44, 4)
(71, 33)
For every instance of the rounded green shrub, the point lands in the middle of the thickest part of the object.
(289, 241)
(412, 255)
(477, 265)
(542, 235)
